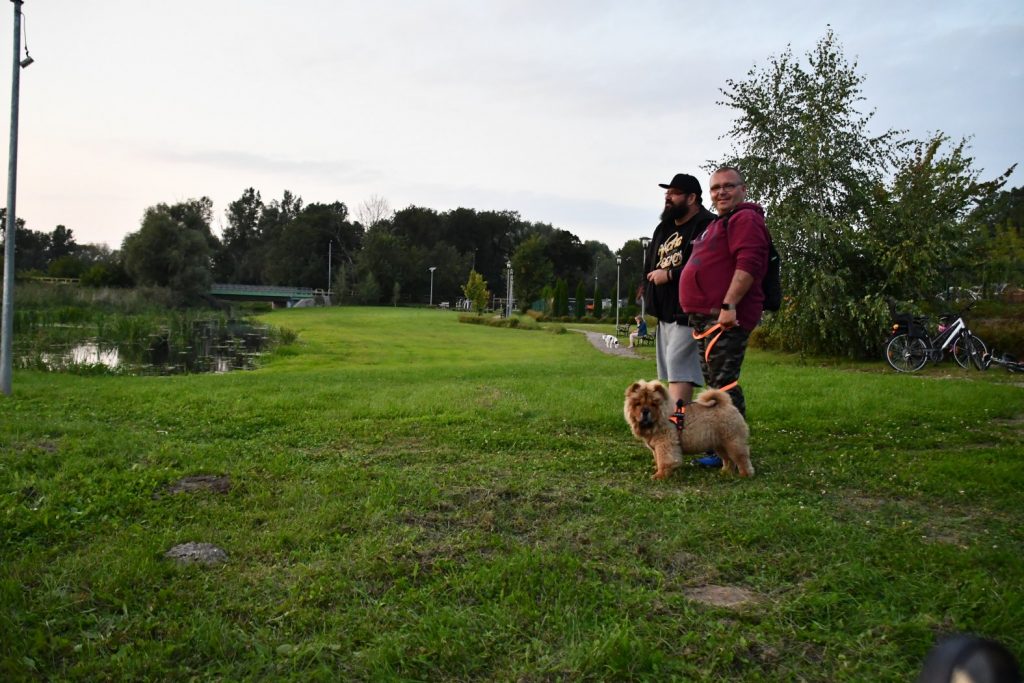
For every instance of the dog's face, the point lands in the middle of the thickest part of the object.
(647, 404)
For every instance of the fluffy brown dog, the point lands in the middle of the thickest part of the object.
(712, 423)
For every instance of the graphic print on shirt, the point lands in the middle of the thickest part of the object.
(670, 253)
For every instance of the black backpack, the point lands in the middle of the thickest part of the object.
(771, 285)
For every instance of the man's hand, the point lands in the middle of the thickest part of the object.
(727, 319)
(659, 276)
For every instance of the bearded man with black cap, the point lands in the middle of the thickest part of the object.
(683, 220)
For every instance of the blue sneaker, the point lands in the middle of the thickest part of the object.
(709, 461)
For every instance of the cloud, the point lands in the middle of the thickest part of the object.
(249, 163)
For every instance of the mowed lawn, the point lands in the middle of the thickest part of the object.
(412, 498)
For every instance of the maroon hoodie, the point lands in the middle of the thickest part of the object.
(717, 254)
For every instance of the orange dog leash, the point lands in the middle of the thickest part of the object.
(707, 350)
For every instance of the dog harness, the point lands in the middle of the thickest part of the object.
(679, 417)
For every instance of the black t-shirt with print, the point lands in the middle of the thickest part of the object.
(669, 249)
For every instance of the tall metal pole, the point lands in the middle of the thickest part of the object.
(432, 269)
(618, 267)
(644, 242)
(508, 288)
(330, 248)
(7, 331)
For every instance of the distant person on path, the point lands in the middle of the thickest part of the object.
(641, 331)
(683, 220)
(721, 283)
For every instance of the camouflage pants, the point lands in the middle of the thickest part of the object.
(722, 366)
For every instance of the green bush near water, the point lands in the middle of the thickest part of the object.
(418, 499)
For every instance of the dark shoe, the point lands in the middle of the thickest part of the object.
(712, 462)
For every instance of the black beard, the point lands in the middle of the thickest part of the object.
(674, 211)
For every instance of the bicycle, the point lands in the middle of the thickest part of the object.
(909, 347)
(1006, 360)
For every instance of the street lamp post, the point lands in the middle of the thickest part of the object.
(508, 289)
(644, 243)
(618, 267)
(7, 325)
(432, 269)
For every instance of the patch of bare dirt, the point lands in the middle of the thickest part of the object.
(723, 596)
(201, 482)
(197, 553)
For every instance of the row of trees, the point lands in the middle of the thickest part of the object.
(382, 256)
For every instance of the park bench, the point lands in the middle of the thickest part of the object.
(645, 340)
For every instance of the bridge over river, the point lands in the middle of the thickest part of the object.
(279, 296)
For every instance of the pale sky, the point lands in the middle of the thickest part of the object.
(569, 112)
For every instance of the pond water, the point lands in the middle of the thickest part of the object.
(210, 346)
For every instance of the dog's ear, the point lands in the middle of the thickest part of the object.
(632, 388)
(660, 388)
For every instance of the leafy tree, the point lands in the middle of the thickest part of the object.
(278, 214)
(548, 298)
(173, 248)
(999, 249)
(561, 298)
(298, 255)
(62, 243)
(367, 291)
(419, 226)
(450, 269)
(383, 258)
(532, 270)
(106, 275)
(31, 250)
(808, 156)
(1003, 256)
(240, 259)
(67, 266)
(475, 290)
(569, 257)
(341, 287)
(581, 299)
(922, 226)
(603, 260)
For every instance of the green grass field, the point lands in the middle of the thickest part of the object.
(417, 499)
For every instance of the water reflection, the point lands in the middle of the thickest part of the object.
(92, 354)
(210, 346)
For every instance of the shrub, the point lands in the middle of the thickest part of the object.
(1004, 335)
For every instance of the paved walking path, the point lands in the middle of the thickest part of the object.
(596, 339)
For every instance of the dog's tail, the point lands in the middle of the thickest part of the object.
(712, 397)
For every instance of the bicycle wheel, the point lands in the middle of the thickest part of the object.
(969, 350)
(906, 353)
(978, 353)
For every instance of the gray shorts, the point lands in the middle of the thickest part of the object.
(677, 352)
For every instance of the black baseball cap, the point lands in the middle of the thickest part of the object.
(684, 183)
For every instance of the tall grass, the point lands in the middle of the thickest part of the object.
(418, 499)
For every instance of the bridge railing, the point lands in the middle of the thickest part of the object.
(267, 290)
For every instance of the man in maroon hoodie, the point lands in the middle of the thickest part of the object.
(720, 286)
